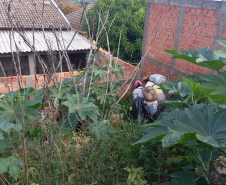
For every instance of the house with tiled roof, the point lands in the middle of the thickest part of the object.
(77, 16)
(28, 25)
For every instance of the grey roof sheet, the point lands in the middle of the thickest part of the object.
(31, 13)
(64, 37)
(75, 17)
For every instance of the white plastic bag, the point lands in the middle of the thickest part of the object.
(157, 79)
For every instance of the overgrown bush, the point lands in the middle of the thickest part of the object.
(194, 120)
(80, 158)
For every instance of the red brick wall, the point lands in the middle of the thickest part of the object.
(124, 89)
(14, 86)
(199, 29)
(103, 56)
(162, 30)
(153, 69)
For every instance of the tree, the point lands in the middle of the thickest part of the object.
(130, 18)
(67, 7)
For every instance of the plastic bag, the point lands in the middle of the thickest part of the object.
(157, 79)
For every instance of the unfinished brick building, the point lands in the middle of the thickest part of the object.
(180, 25)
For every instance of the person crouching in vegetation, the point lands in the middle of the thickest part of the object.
(138, 92)
(159, 92)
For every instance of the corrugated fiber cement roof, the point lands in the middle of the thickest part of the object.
(40, 43)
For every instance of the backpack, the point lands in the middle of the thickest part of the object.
(139, 109)
(150, 94)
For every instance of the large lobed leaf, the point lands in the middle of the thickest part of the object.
(11, 164)
(101, 129)
(9, 127)
(200, 122)
(186, 176)
(212, 92)
(221, 53)
(173, 182)
(177, 87)
(216, 83)
(183, 177)
(82, 107)
(11, 111)
(203, 57)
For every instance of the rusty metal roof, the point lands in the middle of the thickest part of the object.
(27, 14)
(9, 40)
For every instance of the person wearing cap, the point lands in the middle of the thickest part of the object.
(138, 91)
(159, 92)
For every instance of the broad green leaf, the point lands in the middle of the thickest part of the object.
(99, 73)
(186, 176)
(177, 87)
(221, 53)
(172, 138)
(173, 182)
(216, 83)
(5, 145)
(11, 164)
(11, 111)
(209, 85)
(71, 121)
(82, 107)
(154, 133)
(201, 121)
(176, 103)
(222, 42)
(180, 159)
(221, 105)
(62, 95)
(200, 94)
(33, 103)
(165, 183)
(14, 171)
(8, 127)
(21, 163)
(203, 57)
(101, 129)
(214, 79)
(176, 160)
(28, 91)
(1, 136)
(118, 71)
(3, 166)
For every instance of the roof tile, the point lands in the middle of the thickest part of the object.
(75, 17)
(31, 13)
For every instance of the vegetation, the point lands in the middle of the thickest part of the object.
(73, 132)
(125, 15)
(87, 145)
(195, 120)
(91, 144)
(67, 7)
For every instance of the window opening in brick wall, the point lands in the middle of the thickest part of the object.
(78, 61)
(9, 68)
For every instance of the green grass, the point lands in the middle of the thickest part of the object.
(74, 158)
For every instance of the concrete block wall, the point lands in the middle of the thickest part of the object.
(180, 25)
